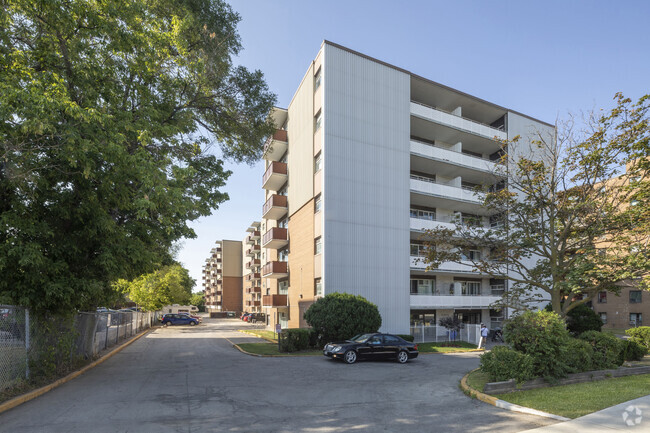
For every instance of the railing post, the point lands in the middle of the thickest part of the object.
(27, 343)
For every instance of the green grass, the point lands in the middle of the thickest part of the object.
(457, 346)
(477, 380)
(269, 335)
(272, 349)
(580, 399)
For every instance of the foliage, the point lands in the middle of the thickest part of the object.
(503, 363)
(52, 347)
(567, 232)
(453, 324)
(607, 349)
(407, 337)
(632, 351)
(581, 319)
(640, 335)
(108, 115)
(293, 340)
(544, 337)
(579, 356)
(169, 285)
(339, 316)
(198, 300)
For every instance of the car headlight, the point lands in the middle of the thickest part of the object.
(337, 349)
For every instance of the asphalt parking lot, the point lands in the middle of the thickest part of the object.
(191, 379)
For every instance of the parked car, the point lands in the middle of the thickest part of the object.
(246, 316)
(199, 318)
(178, 319)
(372, 346)
(257, 317)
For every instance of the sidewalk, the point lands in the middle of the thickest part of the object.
(631, 416)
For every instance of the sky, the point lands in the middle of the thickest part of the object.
(544, 59)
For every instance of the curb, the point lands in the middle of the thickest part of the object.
(504, 404)
(17, 401)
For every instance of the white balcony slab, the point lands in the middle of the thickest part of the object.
(418, 224)
(449, 301)
(451, 157)
(446, 191)
(418, 263)
(461, 123)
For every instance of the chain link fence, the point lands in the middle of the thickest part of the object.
(38, 348)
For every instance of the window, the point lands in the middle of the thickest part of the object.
(471, 255)
(318, 287)
(469, 220)
(318, 204)
(318, 162)
(636, 319)
(603, 318)
(317, 79)
(283, 223)
(283, 287)
(470, 288)
(497, 221)
(318, 245)
(423, 214)
(418, 250)
(602, 297)
(389, 339)
(635, 296)
(283, 255)
(423, 287)
(318, 120)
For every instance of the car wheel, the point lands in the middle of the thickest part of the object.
(167, 323)
(350, 357)
(192, 323)
(402, 357)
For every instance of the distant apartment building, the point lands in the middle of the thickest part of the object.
(252, 252)
(222, 277)
(367, 156)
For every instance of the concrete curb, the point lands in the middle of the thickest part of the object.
(236, 346)
(504, 404)
(243, 331)
(17, 401)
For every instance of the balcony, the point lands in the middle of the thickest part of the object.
(253, 303)
(417, 263)
(451, 301)
(274, 301)
(250, 290)
(253, 264)
(275, 176)
(275, 207)
(275, 270)
(275, 238)
(253, 276)
(276, 145)
(253, 250)
(253, 237)
(431, 188)
(463, 160)
(441, 117)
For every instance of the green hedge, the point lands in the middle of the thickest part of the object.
(607, 349)
(293, 340)
(640, 335)
(503, 363)
(579, 355)
(632, 351)
(407, 337)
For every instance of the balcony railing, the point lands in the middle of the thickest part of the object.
(253, 290)
(430, 187)
(275, 238)
(453, 157)
(253, 237)
(445, 118)
(253, 264)
(274, 301)
(253, 250)
(275, 207)
(455, 289)
(275, 176)
(253, 276)
(276, 145)
(253, 303)
(275, 270)
(452, 267)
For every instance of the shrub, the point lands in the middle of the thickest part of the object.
(339, 316)
(543, 336)
(579, 355)
(607, 349)
(407, 337)
(503, 363)
(640, 335)
(453, 324)
(581, 319)
(292, 340)
(632, 351)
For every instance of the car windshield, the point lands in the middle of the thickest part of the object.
(361, 338)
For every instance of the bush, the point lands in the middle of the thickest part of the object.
(543, 336)
(407, 337)
(339, 316)
(503, 363)
(293, 340)
(607, 349)
(640, 335)
(581, 319)
(632, 351)
(579, 356)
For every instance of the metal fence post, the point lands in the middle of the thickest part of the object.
(27, 343)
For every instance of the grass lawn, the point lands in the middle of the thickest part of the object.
(581, 399)
(272, 349)
(269, 335)
(477, 380)
(457, 346)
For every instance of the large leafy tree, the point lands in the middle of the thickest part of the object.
(571, 221)
(169, 285)
(108, 113)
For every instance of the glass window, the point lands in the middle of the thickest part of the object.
(422, 287)
(318, 245)
(635, 296)
(318, 162)
(318, 287)
(317, 204)
(283, 287)
(603, 317)
(602, 297)
(470, 288)
(636, 319)
(318, 120)
(317, 79)
(390, 339)
(423, 214)
(471, 255)
(418, 250)
(376, 340)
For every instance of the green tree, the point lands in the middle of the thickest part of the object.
(563, 227)
(339, 316)
(198, 300)
(581, 319)
(169, 285)
(109, 116)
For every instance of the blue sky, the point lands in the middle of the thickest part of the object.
(544, 59)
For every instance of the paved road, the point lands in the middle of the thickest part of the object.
(191, 379)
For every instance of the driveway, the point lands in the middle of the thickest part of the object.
(191, 379)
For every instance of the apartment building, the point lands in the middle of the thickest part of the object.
(222, 277)
(252, 251)
(367, 156)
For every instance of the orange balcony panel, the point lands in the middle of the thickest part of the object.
(275, 238)
(253, 276)
(253, 250)
(275, 270)
(274, 301)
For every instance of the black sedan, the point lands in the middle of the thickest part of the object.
(372, 346)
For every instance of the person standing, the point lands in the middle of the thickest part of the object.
(484, 333)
